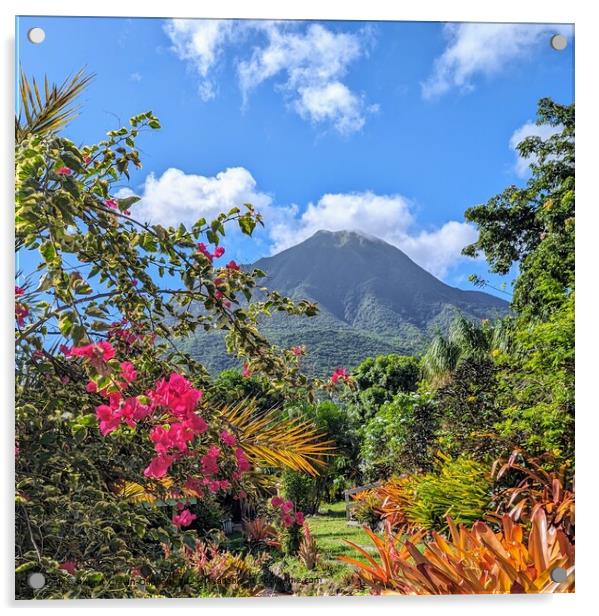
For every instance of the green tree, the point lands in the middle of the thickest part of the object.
(400, 437)
(378, 380)
(533, 226)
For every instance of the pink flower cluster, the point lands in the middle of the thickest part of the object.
(183, 518)
(219, 251)
(97, 353)
(340, 374)
(128, 333)
(172, 403)
(243, 464)
(179, 398)
(297, 350)
(228, 439)
(70, 566)
(21, 311)
(232, 265)
(286, 511)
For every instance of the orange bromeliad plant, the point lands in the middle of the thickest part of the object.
(470, 561)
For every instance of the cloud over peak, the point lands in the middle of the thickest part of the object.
(177, 197)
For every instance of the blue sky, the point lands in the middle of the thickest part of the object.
(391, 128)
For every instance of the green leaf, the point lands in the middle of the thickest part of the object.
(48, 251)
(127, 202)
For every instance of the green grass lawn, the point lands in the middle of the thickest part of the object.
(330, 529)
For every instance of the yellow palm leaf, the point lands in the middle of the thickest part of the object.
(271, 440)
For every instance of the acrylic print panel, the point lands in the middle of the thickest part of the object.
(294, 308)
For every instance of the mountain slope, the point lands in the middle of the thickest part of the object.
(373, 299)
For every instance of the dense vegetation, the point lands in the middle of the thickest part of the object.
(134, 462)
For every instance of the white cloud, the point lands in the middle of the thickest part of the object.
(479, 49)
(200, 43)
(177, 197)
(307, 63)
(388, 217)
(530, 129)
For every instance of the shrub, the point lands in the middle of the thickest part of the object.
(399, 437)
(302, 489)
(209, 514)
(367, 508)
(222, 573)
(470, 561)
(291, 537)
(532, 488)
(460, 488)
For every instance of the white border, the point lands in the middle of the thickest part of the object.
(579, 12)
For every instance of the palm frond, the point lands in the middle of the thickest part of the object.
(159, 490)
(269, 440)
(50, 113)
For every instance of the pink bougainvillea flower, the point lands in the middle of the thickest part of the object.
(176, 394)
(340, 374)
(219, 252)
(97, 354)
(37, 354)
(276, 501)
(227, 438)
(287, 506)
(218, 294)
(64, 349)
(184, 518)
(102, 350)
(159, 466)
(112, 204)
(19, 291)
(297, 350)
(232, 265)
(299, 518)
(243, 464)
(218, 281)
(208, 461)
(246, 372)
(204, 251)
(287, 520)
(128, 371)
(64, 171)
(91, 387)
(70, 566)
(108, 418)
(21, 312)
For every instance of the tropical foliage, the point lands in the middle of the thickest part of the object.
(470, 561)
(141, 474)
